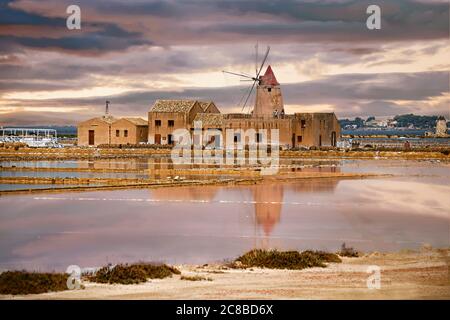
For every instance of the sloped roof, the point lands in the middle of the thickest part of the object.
(105, 119)
(173, 105)
(268, 79)
(210, 119)
(204, 104)
(137, 121)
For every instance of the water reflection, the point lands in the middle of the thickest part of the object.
(203, 224)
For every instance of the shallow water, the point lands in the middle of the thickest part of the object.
(206, 224)
(20, 186)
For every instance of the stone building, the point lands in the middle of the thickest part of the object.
(112, 131)
(95, 131)
(129, 131)
(168, 115)
(165, 116)
(294, 130)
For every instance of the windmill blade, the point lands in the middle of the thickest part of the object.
(237, 74)
(263, 62)
(249, 94)
(256, 58)
(244, 94)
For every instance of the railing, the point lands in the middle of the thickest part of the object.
(30, 136)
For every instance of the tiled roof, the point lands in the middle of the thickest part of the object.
(137, 121)
(210, 119)
(173, 105)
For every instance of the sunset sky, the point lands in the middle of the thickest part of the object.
(134, 52)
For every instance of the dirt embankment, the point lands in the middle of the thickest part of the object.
(74, 153)
(404, 275)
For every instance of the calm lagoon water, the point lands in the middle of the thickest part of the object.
(207, 224)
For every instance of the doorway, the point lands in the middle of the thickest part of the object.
(320, 140)
(157, 139)
(333, 139)
(91, 137)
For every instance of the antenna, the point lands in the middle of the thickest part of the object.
(107, 108)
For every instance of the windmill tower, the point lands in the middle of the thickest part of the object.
(268, 95)
(268, 92)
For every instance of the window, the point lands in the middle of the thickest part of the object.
(125, 133)
(117, 133)
(171, 123)
(237, 137)
(303, 122)
(258, 137)
(157, 123)
(269, 89)
(170, 138)
(299, 139)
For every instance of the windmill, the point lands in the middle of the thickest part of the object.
(269, 101)
(256, 79)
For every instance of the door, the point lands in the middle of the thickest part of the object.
(91, 137)
(157, 139)
(293, 140)
(169, 138)
(320, 140)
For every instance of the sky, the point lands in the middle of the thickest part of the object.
(134, 52)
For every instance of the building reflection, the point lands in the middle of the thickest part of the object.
(269, 201)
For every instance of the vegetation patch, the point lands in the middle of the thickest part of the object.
(275, 259)
(195, 278)
(348, 252)
(23, 282)
(133, 273)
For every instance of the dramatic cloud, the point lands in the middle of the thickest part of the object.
(134, 52)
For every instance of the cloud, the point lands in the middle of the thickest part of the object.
(349, 95)
(133, 52)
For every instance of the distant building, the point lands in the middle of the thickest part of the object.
(376, 123)
(110, 130)
(441, 127)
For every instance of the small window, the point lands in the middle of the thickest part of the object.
(125, 133)
(157, 123)
(303, 122)
(258, 137)
(117, 133)
(237, 137)
(269, 89)
(171, 123)
(299, 139)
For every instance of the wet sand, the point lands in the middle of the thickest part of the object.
(404, 275)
